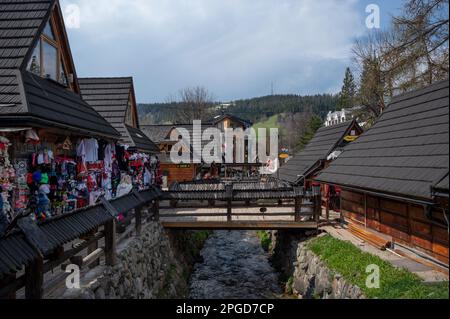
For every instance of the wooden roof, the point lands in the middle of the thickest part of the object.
(26, 99)
(321, 146)
(405, 153)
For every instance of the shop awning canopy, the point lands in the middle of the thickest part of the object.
(29, 100)
(405, 153)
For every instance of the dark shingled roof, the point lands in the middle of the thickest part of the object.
(405, 153)
(141, 141)
(157, 133)
(321, 146)
(110, 97)
(19, 25)
(29, 100)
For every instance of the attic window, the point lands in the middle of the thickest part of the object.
(46, 60)
(48, 31)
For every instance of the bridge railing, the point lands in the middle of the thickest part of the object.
(32, 249)
(229, 196)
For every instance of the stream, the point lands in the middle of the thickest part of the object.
(235, 267)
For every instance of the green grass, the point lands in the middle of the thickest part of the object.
(266, 241)
(271, 122)
(349, 261)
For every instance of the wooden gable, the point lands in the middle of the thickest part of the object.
(59, 40)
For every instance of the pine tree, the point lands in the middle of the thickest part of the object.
(315, 123)
(348, 92)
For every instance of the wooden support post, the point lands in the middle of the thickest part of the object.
(34, 279)
(247, 203)
(6, 281)
(298, 207)
(229, 210)
(327, 209)
(93, 247)
(138, 220)
(110, 242)
(318, 205)
(156, 210)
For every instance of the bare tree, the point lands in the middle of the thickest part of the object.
(193, 104)
(412, 54)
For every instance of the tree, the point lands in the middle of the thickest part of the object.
(412, 54)
(348, 92)
(193, 104)
(314, 124)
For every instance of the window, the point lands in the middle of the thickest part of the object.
(48, 31)
(46, 60)
(50, 61)
(34, 66)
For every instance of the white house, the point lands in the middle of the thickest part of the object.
(334, 118)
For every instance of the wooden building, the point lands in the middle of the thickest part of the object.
(115, 100)
(326, 145)
(42, 114)
(395, 176)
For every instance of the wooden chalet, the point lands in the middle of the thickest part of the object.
(114, 99)
(326, 145)
(395, 176)
(39, 87)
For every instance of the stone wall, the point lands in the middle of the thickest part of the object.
(306, 274)
(156, 265)
(313, 279)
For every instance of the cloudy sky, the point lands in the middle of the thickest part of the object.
(234, 48)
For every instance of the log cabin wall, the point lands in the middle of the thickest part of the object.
(178, 173)
(406, 223)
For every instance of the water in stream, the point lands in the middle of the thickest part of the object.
(234, 267)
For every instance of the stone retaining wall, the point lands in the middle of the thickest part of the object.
(156, 265)
(306, 274)
(313, 279)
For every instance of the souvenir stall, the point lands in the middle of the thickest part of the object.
(140, 170)
(49, 174)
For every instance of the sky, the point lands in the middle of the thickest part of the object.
(234, 48)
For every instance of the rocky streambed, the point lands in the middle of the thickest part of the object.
(234, 267)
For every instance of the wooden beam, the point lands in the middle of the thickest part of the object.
(238, 225)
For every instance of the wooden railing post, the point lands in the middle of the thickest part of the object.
(156, 210)
(4, 282)
(110, 242)
(138, 220)
(34, 279)
(317, 203)
(298, 207)
(229, 196)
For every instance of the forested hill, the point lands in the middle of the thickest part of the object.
(255, 109)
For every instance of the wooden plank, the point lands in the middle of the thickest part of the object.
(241, 225)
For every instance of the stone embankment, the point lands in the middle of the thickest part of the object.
(305, 274)
(157, 264)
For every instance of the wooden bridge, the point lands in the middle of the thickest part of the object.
(250, 205)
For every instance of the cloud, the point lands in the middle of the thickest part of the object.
(235, 48)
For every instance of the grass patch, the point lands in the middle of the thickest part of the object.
(351, 263)
(266, 240)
